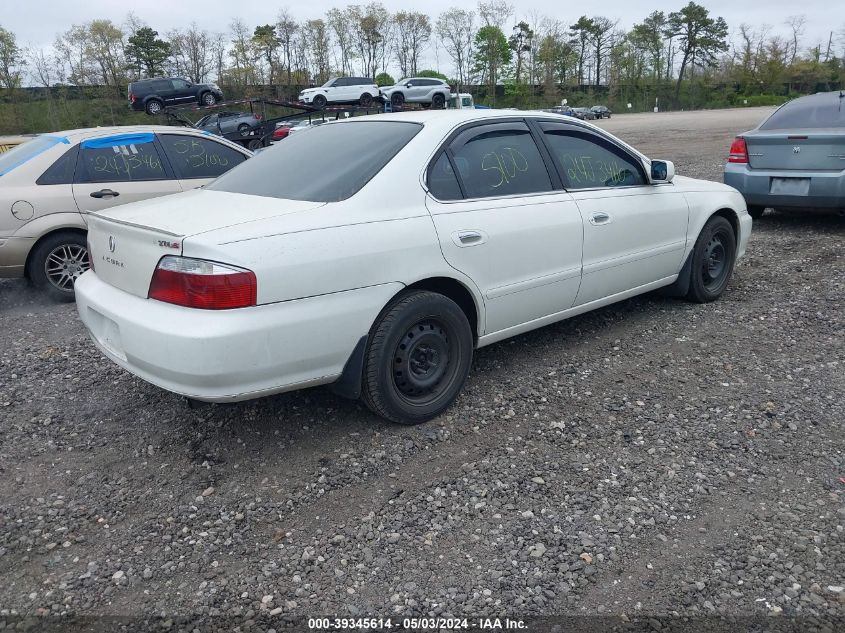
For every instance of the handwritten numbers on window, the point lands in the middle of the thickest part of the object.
(506, 163)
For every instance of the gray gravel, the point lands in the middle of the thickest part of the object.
(652, 459)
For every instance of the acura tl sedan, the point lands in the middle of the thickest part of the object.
(795, 159)
(377, 253)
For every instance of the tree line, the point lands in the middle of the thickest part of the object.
(486, 45)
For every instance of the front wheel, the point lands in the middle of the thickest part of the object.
(208, 99)
(366, 100)
(713, 259)
(319, 102)
(397, 99)
(57, 262)
(417, 359)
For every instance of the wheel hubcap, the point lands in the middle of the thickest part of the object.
(422, 361)
(65, 264)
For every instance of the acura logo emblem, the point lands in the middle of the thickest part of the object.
(796, 149)
(112, 243)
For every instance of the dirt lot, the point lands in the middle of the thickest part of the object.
(654, 458)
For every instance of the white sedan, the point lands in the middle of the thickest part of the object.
(376, 253)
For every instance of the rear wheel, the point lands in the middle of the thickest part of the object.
(57, 262)
(713, 259)
(417, 359)
(366, 100)
(397, 99)
(154, 106)
(319, 102)
(208, 99)
(438, 101)
(756, 212)
(244, 129)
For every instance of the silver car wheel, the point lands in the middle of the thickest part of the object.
(64, 265)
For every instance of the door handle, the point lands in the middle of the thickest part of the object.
(468, 238)
(104, 193)
(600, 217)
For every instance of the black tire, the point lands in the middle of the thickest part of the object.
(207, 99)
(254, 144)
(397, 99)
(438, 101)
(153, 107)
(417, 359)
(756, 212)
(244, 129)
(713, 259)
(366, 100)
(56, 262)
(319, 102)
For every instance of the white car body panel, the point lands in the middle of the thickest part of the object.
(326, 270)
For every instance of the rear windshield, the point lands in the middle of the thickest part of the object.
(817, 111)
(27, 150)
(324, 163)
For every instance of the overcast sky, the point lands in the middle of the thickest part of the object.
(37, 23)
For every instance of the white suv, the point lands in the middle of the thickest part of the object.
(360, 90)
(418, 90)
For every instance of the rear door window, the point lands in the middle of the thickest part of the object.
(123, 158)
(199, 156)
(499, 159)
(159, 85)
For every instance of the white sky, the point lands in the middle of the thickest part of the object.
(37, 23)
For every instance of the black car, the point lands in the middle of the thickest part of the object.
(585, 114)
(601, 112)
(153, 95)
(225, 123)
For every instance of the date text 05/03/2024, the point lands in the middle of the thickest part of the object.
(416, 624)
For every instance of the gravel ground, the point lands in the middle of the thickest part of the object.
(653, 459)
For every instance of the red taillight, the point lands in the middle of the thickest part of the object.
(257, 116)
(197, 283)
(739, 151)
(132, 98)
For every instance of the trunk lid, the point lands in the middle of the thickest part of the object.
(810, 150)
(126, 243)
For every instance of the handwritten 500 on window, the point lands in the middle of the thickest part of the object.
(194, 157)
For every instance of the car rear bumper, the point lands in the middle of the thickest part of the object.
(826, 188)
(229, 355)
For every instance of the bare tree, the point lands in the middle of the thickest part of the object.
(319, 44)
(369, 27)
(339, 21)
(601, 37)
(796, 25)
(456, 30)
(495, 13)
(413, 31)
(286, 27)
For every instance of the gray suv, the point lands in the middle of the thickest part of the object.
(423, 90)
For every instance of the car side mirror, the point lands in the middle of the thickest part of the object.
(662, 171)
(409, 85)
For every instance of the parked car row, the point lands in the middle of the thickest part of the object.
(508, 221)
(51, 182)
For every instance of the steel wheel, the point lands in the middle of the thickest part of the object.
(64, 264)
(714, 265)
(713, 260)
(422, 360)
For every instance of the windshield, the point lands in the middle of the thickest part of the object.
(330, 163)
(17, 156)
(328, 83)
